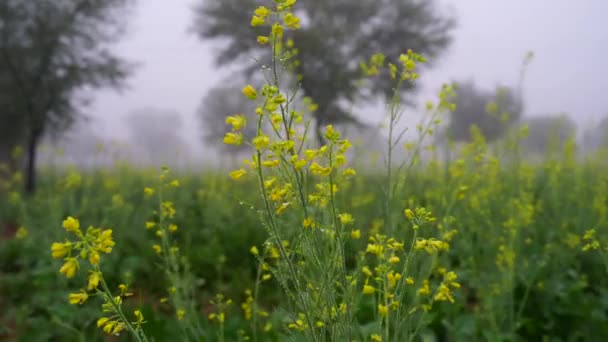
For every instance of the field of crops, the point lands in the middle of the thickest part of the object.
(304, 241)
(527, 243)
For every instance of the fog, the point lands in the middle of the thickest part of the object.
(568, 74)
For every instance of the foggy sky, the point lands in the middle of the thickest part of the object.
(569, 72)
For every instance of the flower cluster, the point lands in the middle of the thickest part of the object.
(88, 247)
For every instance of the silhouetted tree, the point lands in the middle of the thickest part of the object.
(81, 145)
(51, 52)
(216, 106)
(155, 135)
(11, 123)
(547, 132)
(597, 136)
(492, 112)
(335, 36)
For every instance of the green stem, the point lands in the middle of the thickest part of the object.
(139, 337)
(386, 320)
(339, 232)
(283, 252)
(256, 289)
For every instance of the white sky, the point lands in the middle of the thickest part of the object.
(569, 72)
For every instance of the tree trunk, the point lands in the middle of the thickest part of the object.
(319, 131)
(30, 162)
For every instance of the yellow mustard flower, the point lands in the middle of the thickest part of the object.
(236, 121)
(291, 21)
(376, 249)
(346, 218)
(425, 290)
(157, 248)
(59, 250)
(261, 141)
(308, 222)
(71, 224)
(382, 310)
(286, 4)
(139, 316)
(299, 163)
(250, 92)
(104, 242)
(340, 160)
(444, 294)
(271, 163)
(237, 174)
(114, 327)
(232, 138)
(93, 280)
(393, 278)
(102, 321)
(257, 21)
(376, 338)
(310, 154)
(262, 12)
(331, 134)
(94, 258)
(167, 209)
(69, 267)
(78, 298)
(349, 172)
(263, 40)
(317, 169)
(277, 30)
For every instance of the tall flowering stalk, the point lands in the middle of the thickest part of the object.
(87, 248)
(309, 234)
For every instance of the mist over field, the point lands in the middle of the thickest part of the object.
(176, 70)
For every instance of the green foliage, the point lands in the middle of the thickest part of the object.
(553, 288)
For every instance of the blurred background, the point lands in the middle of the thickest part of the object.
(153, 80)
